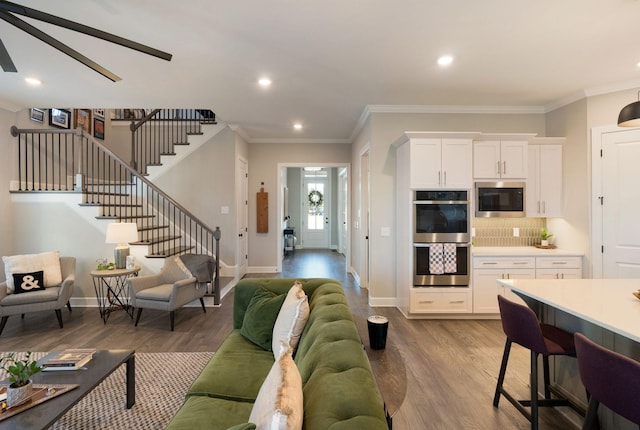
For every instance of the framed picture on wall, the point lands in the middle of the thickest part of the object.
(37, 115)
(83, 119)
(98, 128)
(60, 118)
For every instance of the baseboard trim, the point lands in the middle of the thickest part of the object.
(262, 269)
(383, 302)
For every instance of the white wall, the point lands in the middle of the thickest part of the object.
(7, 165)
(263, 167)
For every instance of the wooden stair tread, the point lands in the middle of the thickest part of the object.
(155, 240)
(125, 217)
(172, 251)
(153, 227)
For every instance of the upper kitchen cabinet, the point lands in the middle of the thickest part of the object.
(504, 158)
(438, 160)
(544, 180)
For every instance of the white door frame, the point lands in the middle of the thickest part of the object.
(343, 220)
(328, 222)
(280, 238)
(242, 217)
(364, 186)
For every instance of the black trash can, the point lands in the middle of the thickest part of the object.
(378, 326)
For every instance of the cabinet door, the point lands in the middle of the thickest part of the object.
(457, 163)
(485, 290)
(533, 177)
(486, 159)
(513, 157)
(425, 163)
(550, 180)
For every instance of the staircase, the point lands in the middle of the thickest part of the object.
(73, 160)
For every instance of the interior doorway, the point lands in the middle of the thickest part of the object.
(363, 215)
(309, 203)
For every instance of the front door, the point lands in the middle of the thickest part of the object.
(315, 197)
(243, 218)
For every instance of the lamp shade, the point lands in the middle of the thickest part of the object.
(123, 232)
(630, 115)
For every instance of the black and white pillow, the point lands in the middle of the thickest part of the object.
(27, 282)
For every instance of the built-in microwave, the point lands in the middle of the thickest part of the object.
(500, 199)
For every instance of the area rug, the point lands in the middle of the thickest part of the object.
(162, 380)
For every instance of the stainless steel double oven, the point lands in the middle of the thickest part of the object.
(441, 217)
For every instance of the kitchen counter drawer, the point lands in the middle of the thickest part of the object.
(558, 262)
(504, 262)
(441, 300)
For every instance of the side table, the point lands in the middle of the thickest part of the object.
(111, 290)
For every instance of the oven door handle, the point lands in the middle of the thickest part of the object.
(441, 202)
(427, 245)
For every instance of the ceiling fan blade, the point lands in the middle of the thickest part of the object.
(84, 29)
(5, 59)
(28, 28)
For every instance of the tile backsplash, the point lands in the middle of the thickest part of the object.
(499, 231)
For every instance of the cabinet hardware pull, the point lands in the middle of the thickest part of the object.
(538, 206)
(559, 262)
(556, 276)
(445, 178)
(520, 262)
(498, 165)
(504, 167)
(439, 183)
(562, 276)
(544, 207)
(456, 301)
(489, 262)
(508, 277)
(422, 302)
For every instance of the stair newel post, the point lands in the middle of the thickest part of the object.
(216, 282)
(133, 163)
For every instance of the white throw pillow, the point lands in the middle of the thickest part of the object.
(291, 320)
(279, 405)
(49, 262)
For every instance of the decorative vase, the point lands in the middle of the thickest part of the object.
(17, 396)
(544, 243)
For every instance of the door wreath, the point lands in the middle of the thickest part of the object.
(315, 199)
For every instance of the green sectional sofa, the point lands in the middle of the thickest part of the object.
(339, 389)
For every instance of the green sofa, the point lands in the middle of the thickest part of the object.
(338, 386)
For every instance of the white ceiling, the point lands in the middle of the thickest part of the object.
(328, 59)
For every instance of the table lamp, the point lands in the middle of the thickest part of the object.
(121, 234)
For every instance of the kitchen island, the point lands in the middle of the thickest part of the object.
(605, 310)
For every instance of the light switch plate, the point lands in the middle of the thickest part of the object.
(516, 232)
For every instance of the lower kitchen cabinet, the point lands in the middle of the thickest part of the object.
(487, 269)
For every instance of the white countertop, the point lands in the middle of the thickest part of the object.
(521, 251)
(608, 303)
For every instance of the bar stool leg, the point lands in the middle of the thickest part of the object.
(545, 363)
(534, 390)
(591, 420)
(503, 370)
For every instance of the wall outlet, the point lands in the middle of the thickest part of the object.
(473, 232)
(516, 232)
(224, 210)
(385, 231)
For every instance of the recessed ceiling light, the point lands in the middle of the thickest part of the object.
(445, 60)
(297, 126)
(264, 82)
(32, 81)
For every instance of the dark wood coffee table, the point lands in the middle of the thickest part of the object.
(103, 363)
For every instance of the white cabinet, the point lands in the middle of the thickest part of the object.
(500, 159)
(486, 270)
(440, 163)
(449, 300)
(558, 267)
(544, 181)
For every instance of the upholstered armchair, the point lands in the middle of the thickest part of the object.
(168, 290)
(51, 297)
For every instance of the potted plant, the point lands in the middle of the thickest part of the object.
(545, 235)
(20, 372)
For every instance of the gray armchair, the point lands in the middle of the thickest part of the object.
(168, 290)
(51, 298)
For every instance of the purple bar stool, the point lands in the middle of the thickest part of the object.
(610, 378)
(521, 326)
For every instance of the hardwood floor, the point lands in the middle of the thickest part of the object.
(449, 367)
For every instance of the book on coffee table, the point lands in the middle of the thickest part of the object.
(68, 359)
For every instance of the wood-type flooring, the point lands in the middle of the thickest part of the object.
(439, 374)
